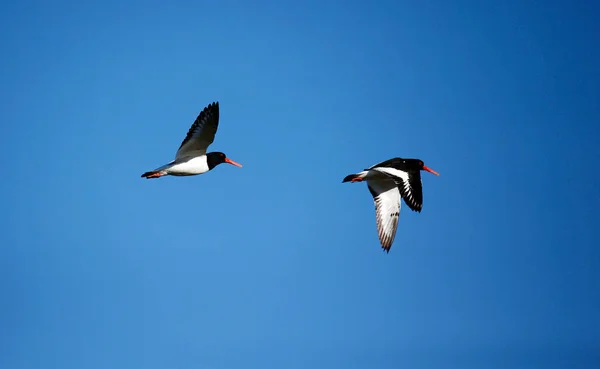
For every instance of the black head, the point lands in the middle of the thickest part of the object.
(407, 165)
(417, 164)
(215, 158)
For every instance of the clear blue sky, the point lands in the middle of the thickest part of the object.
(277, 264)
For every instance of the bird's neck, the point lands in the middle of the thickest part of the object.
(212, 160)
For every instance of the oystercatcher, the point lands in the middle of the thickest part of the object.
(387, 182)
(191, 157)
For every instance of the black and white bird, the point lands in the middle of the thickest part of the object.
(191, 157)
(387, 182)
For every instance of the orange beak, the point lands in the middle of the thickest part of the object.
(430, 170)
(227, 160)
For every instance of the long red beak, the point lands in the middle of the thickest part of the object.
(227, 160)
(430, 170)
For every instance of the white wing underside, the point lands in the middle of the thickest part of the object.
(387, 209)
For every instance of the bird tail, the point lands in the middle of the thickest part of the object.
(153, 174)
(355, 177)
(158, 172)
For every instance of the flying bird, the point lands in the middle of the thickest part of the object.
(387, 182)
(191, 157)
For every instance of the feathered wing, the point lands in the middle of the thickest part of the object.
(411, 189)
(387, 209)
(409, 184)
(201, 134)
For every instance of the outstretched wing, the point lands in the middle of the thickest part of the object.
(201, 134)
(409, 185)
(411, 189)
(387, 209)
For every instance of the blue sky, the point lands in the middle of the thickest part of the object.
(277, 264)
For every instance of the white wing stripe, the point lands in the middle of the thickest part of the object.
(393, 172)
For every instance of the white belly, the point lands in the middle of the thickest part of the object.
(197, 165)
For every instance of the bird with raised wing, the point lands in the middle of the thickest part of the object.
(191, 157)
(389, 181)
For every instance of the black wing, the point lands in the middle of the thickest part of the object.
(412, 190)
(202, 132)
